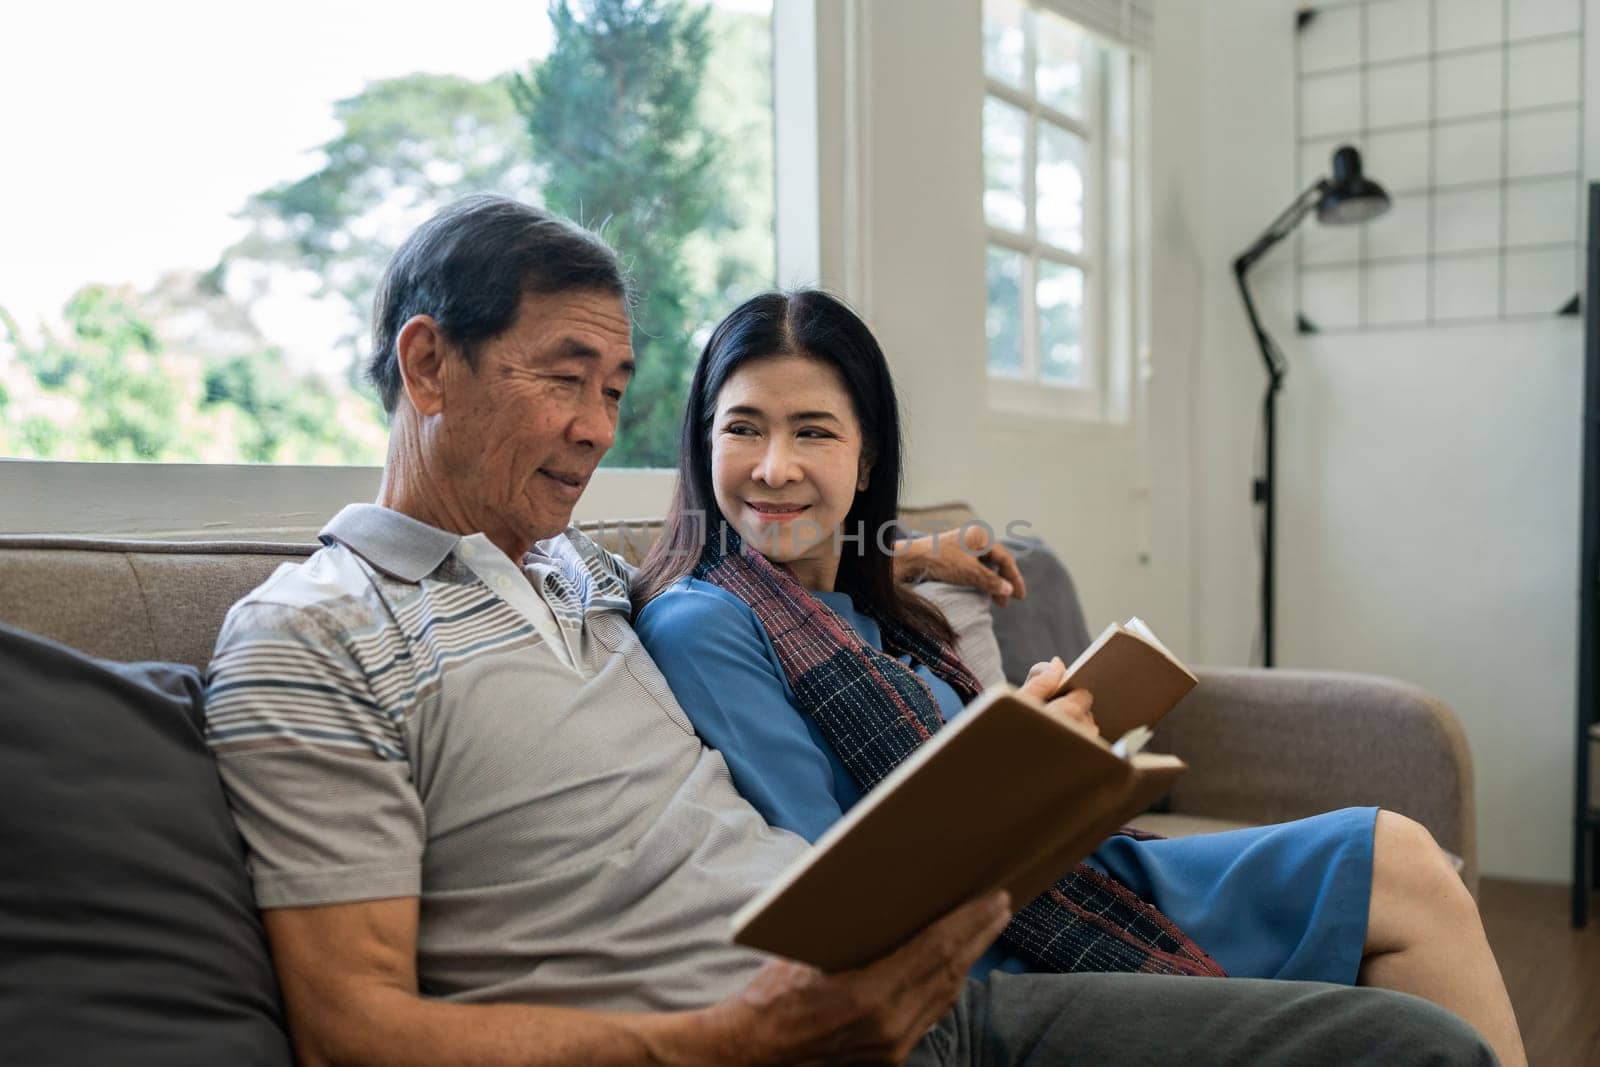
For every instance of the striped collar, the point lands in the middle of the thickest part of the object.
(396, 544)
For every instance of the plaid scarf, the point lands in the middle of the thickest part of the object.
(875, 711)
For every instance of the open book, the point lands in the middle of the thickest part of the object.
(1007, 795)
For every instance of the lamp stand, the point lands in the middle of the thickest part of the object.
(1347, 198)
(1263, 489)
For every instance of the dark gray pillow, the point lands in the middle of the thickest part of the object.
(128, 934)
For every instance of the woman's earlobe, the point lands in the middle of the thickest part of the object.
(866, 463)
(865, 476)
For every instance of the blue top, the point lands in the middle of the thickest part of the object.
(721, 665)
(1285, 901)
(725, 673)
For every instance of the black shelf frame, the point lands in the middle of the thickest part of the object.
(1585, 816)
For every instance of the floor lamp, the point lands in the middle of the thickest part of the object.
(1346, 198)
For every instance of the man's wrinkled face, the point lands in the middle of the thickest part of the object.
(524, 432)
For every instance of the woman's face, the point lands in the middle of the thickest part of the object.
(787, 460)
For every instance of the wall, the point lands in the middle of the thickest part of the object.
(1111, 500)
(1428, 477)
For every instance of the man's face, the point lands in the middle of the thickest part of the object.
(522, 434)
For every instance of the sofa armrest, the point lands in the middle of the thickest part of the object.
(1272, 745)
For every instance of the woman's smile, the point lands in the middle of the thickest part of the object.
(773, 512)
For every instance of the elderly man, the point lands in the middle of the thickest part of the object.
(482, 831)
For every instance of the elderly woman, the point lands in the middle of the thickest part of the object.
(796, 653)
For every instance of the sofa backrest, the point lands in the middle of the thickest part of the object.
(165, 600)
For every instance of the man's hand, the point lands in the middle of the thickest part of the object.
(967, 555)
(1044, 684)
(792, 1013)
(349, 982)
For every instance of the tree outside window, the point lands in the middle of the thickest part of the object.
(647, 120)
(1058, 203)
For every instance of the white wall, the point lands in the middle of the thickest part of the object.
(1428, 478)
(916, 269)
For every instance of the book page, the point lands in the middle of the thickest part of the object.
(1133, 680)
(982, 802)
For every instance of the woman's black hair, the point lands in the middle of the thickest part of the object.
(817, 326)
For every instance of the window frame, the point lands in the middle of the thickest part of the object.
(1112, 261)
(285, 502)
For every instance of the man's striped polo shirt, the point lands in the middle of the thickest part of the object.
(395, 717)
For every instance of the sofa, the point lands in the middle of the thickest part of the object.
(1262, 746)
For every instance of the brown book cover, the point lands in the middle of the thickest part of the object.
(1132, 676)
(1008, 795)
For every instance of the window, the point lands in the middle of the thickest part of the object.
(189, 263)
(1059, 203)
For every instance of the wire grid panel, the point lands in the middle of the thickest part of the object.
(1470, 113)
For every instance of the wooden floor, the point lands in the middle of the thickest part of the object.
(1552, 971)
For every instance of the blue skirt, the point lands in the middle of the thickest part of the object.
(1282, 901)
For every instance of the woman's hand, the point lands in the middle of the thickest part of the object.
(1043, 684)
(967, 555)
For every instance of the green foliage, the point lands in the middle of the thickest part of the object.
(613, 116)
(406, 147)
(112, 389)
(734, 255)
(110, 369)
(285, 412)
(650, 120)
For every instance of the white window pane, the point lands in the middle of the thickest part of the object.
(223, 317)
(1003, 321)
(1063, 52)
(1005, 130)
(1060, 298)
(1060, 187)
(1004, 31)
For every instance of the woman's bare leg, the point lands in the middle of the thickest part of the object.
(1424, 936)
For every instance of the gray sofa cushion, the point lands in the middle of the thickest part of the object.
(1047, 622)
(128, 933)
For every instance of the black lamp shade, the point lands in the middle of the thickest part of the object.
(1349, 196)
